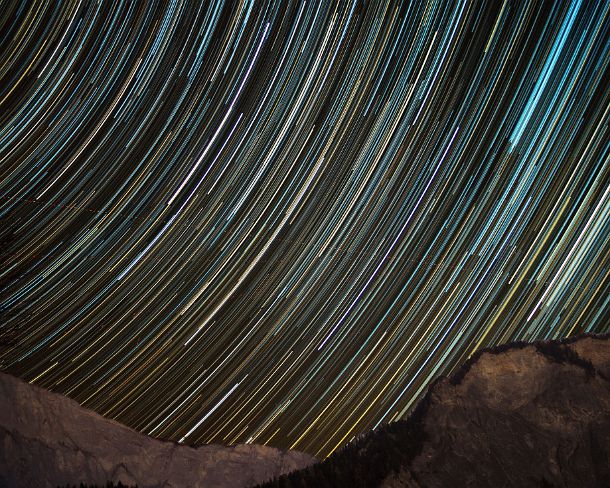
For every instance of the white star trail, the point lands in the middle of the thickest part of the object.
(278, 222)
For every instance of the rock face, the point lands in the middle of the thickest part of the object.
(48, 440)
(519, 415)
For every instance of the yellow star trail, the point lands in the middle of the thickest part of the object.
(278, 222)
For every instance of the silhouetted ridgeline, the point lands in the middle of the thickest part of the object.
(516, 415)
(555, 350)
(48, 440)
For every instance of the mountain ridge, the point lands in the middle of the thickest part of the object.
(49, 440)
(505, 407)
(493, 396)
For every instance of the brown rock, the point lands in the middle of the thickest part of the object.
(47, 440)
(520, 418)
(526, 415)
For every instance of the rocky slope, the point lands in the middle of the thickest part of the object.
(519, 415)
(48, 440)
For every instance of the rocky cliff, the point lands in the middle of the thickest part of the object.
(48, 440)
(519, 415)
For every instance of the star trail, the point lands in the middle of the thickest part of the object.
(278, 222)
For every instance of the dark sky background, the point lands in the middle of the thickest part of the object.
(277, 222)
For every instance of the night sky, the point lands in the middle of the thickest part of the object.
(277, 222)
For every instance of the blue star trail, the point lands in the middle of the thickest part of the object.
(278, 222)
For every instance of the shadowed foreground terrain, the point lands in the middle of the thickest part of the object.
(518, 415)
(48, 440)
